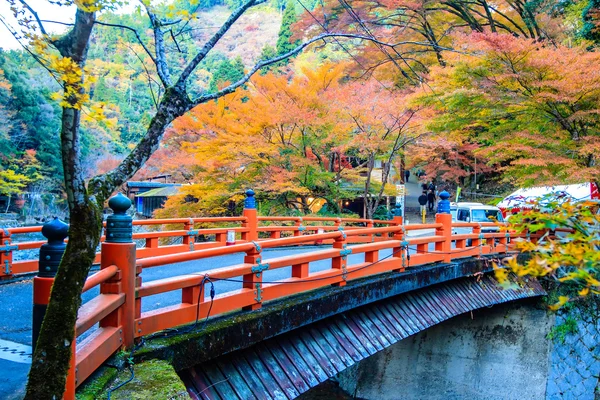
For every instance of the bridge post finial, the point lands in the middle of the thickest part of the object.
(119, 227)
(444, 203)
(119, 249)
(250, 201)
(50, 255)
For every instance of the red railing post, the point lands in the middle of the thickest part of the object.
(152, 243)
(190, 237)
(254, 279)
(71, 384)
(251, 222)
(119, 250)
(444, 247)
(6, 254)
(400, 252)
(299, 227)
(370, 224)
(50, 255)
(477, 241)
(341, 262)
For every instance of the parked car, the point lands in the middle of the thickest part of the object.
(476, 212)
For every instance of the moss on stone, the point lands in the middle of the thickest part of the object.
(93, 387)
(153, 379)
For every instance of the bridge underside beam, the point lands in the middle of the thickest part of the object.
(290, 364)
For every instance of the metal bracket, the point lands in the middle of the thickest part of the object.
(8, 248)
(256, 246)
(301, 228)
(343, 234)
(7, 270)
(192, 246)
(258, 297)
(344, 252)
(340, 228)
(193, 232)
(6, 232)
(259, 268)
(404, 249)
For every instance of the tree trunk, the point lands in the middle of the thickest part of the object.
(50, 364)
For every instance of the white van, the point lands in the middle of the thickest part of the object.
(477, 212)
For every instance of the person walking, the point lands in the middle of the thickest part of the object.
(423, 201)
(406, 175)
(431, 199)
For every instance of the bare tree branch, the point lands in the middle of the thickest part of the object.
(135, 32)
(39, 22)
(159, 43)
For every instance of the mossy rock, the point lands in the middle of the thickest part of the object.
(153, 379)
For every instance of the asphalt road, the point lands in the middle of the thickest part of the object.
(16, 306)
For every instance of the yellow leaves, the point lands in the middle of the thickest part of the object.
(562, 300)
(97, 5)
(501, 274)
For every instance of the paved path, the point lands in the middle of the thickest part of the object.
(16, 305)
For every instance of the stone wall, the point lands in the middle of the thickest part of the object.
(575, 359)
(496, 353)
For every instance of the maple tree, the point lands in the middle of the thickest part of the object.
(444, 159)
(276, 136)
(533, 109)
(299, 139)
(381, 124)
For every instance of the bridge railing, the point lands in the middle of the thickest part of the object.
(159, 234)
(115, 316)
(118, 307)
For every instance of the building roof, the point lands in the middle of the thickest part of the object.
(161, 191)
(140, 184)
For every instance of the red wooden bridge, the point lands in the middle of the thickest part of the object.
(118, 307)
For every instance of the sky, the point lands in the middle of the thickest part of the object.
(45, 10)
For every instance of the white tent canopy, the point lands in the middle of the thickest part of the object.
(523, 198)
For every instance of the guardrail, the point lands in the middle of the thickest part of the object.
(117, 309)
(248, 227)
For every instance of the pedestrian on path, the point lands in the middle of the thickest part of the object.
(406, 175)
(423, 201)
(431, 199)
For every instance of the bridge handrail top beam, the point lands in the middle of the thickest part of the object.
(477, 224)
(204, 231)
(194, 255)
(198, 220)
(99, 277)
(419, 227)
